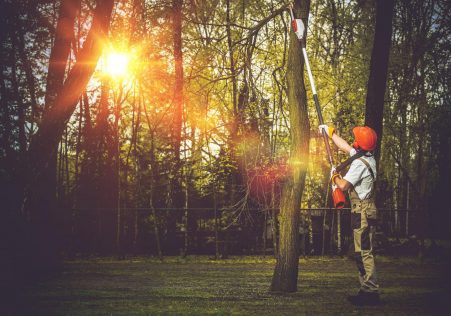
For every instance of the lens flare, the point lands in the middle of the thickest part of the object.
(262, 180)
(116, 64)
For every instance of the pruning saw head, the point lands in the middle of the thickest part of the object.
(296, 24)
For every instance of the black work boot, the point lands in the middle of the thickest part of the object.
(364, 298)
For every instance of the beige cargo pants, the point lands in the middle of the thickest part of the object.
(363, 223)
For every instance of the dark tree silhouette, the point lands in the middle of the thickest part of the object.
(62, 99)
(377, 82)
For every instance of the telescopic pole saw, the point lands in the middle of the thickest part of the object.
(299, 29)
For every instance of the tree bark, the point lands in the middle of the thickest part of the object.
(40, 183)
(174, 195)
(19, 103)
(44, 145)
(59, 55)
(232, 60)
(286, 270)
(178, 86)
(374, 111)
(45, 142)
(30, 78)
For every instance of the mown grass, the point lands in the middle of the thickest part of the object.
(198, 286)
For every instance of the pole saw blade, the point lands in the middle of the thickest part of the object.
(297, 25)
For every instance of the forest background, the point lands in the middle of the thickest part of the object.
(176, 106)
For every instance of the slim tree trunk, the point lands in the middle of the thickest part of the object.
(216, 223)
(78, 142)
(19, 103)
(239, 100)
(152, 191)
(6, 122)
(116, 158)
(286, 270)
(178, 87)
(31, 80)
(174, 181)
(377, 82)
(153, 177)
(186, 204)
(274, 220)
(232, 60)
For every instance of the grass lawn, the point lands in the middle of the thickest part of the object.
(197, 285)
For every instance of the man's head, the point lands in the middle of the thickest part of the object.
(364, 138)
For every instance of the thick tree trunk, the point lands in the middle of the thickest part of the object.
(55, 119)
(62, 100)
(59, 55)
(55, 79)
(286, 270)
(378, 70)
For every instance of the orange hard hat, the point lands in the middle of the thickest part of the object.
(365, 138)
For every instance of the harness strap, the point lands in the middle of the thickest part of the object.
(370, 198)
(348, 161)
(369, 167)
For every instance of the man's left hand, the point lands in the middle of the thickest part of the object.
(333, 175)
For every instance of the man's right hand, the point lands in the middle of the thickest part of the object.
(328, 129)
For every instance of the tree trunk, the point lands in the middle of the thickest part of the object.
(20, 104)
(232, 60)
(61, 104)
(286, 270)
(378, 70)
(178, 86)
(173, 199)
(31, 80)
(59, 55)
(153, 176)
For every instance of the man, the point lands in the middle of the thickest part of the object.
(359, 182)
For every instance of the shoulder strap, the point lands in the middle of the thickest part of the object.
(348, 161)
(368, 166)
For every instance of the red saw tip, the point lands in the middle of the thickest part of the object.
(294, 25)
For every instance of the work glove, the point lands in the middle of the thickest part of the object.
(334, 187)
(329, 130)
(334, 174)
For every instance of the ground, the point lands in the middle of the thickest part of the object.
(239, 286)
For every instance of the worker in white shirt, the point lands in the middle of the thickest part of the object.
(359, 181)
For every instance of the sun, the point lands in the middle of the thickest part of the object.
(116, 64)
